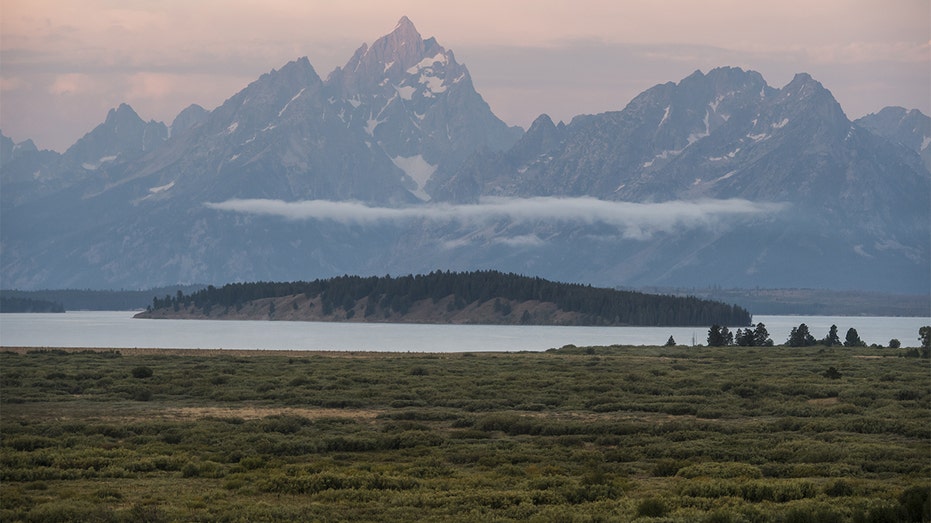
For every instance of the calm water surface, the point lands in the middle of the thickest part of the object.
(118, 329)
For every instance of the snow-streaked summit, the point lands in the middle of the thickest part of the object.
(412, 99)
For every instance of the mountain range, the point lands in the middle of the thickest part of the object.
(395, 164)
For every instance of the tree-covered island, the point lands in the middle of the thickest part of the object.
(478, 297)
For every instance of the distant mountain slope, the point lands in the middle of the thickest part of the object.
(445, 297)
(910, 128)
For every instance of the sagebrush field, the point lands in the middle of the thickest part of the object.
(575, 434)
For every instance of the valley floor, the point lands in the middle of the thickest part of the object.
(574, 434)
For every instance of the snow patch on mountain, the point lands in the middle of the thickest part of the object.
(418, 170)
(98, 163)
(726, 176)
(727, 156)
(717, 101)
(434, 85)
(694, 137)
(371, 124)
(428, 63)
(161, 188)
(283, 109)
(666, 155)
(665, 116)
(406, 92)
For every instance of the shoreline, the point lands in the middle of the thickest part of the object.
(152, 351)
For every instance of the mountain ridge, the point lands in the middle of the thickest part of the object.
(401, 127)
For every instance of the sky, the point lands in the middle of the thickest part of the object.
(65, 63)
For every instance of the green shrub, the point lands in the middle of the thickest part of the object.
(140, 394)
(813, 514)
(720, 470)
(839, 488)
(916, 503)
(284, 423)
(68, 511)
(651, 508)
(142, 372)
(147, 513)
(883, 513)
(666, 467)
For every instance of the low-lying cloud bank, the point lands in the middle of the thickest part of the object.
(633, 220)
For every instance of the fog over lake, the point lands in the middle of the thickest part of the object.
(118, 329)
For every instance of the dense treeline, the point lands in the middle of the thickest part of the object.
(98, 300)
(16, 304)
(597, 306)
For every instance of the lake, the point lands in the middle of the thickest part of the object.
(118, 329)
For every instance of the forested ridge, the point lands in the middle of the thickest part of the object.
(383, 298)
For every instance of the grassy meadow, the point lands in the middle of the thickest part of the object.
(576, 434)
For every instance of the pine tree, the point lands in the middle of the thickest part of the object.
(761, 336)
(831, 339)
(853, 339)
(715, 339)
(800, 337)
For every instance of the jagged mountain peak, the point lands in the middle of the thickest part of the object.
(266, 98)
(725, 77)
(123, 114)
(391, 56)
(720, 81)
(191, 116)
(805, 98)
(911, 128)
(895, 116)
(405, 28)
(542, 122)
(403, 35)
(403, 44)
(122, 135)
(10, 151)
(297, 71)
(410, 100)
(804, 86)
(542, 136)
